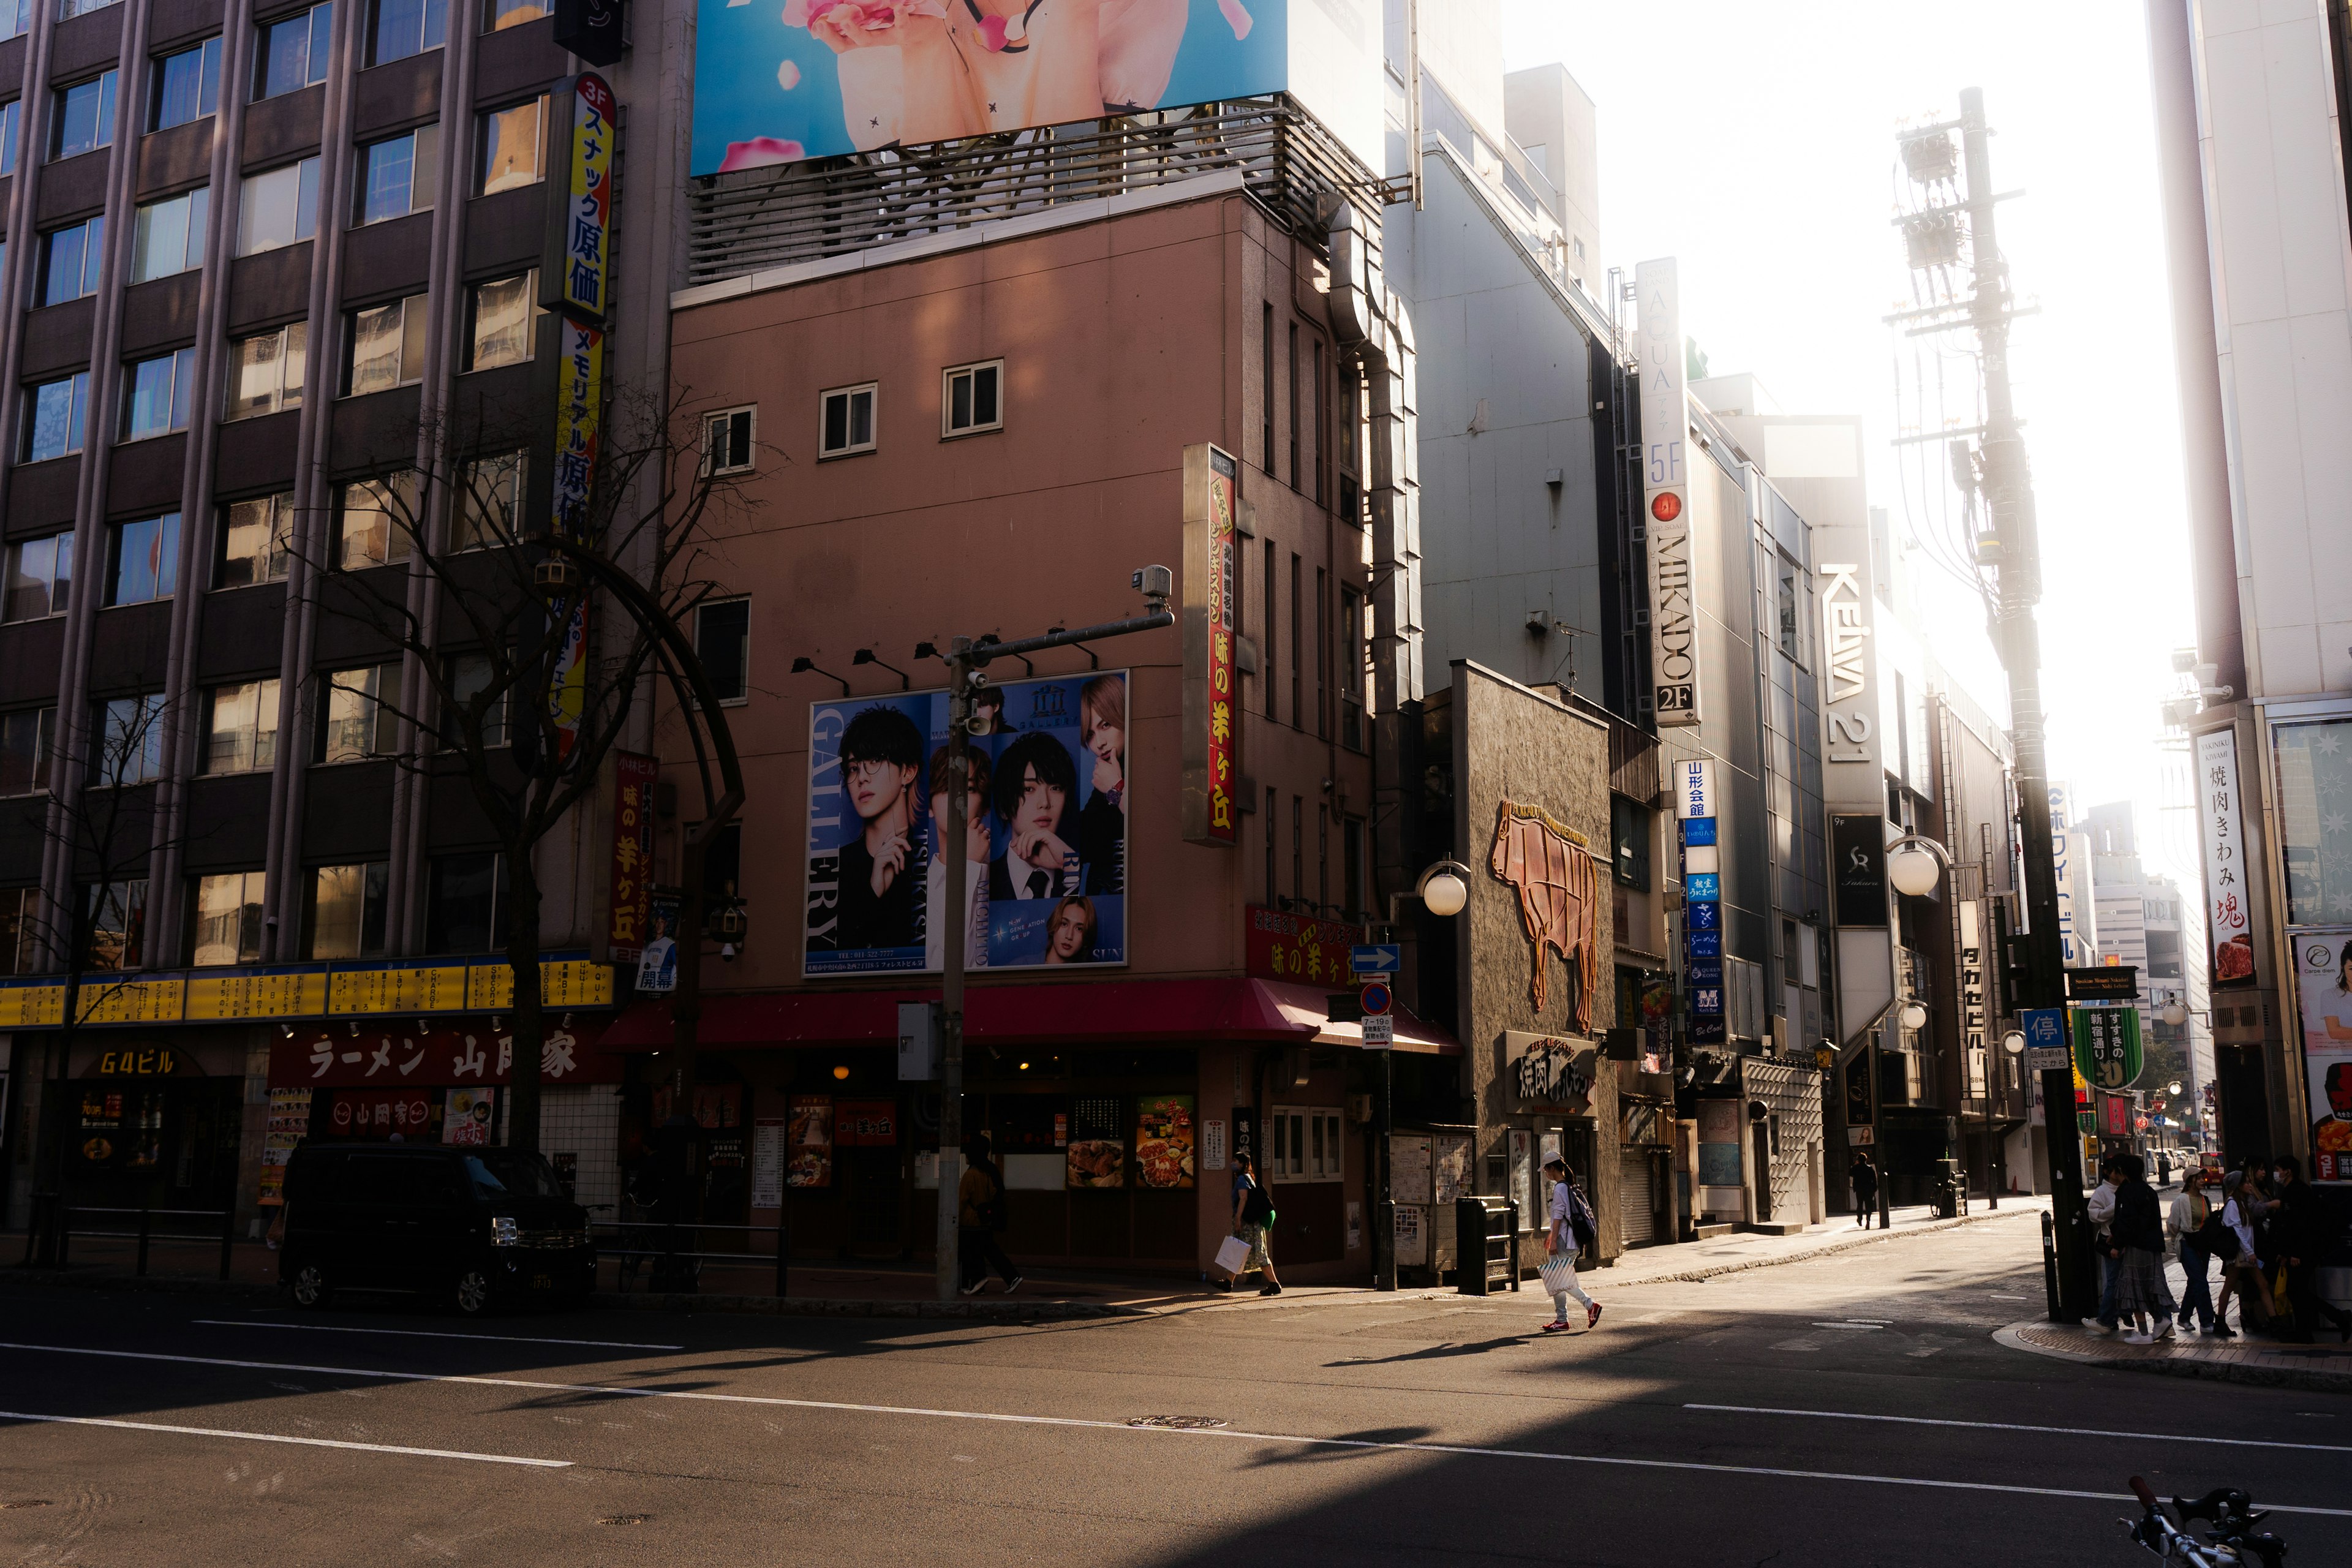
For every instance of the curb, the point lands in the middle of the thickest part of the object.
(998, 1312)
(160, 1284)
(1868, 1238)
(2311, 1380)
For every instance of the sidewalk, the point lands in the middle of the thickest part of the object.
(2324, 1368)
(891, 1289)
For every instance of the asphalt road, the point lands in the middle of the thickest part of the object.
(1851, 1411)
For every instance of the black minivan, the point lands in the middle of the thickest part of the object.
(476, 1226)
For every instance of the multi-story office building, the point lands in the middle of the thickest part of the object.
(2251, 122)
(264, 265)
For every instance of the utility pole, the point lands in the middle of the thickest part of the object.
(2007, 483)
(964, 660)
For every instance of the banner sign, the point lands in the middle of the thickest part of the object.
(1665, 437)
(575, 266)
(2229, 926)
(2107, 1045)
(2323, 980)
(1047, 842)
(629, 922)
(778, 83)
(466, 1053)
(1278, 946)
(578, 421)
(1212, 722)
(307, 990)
(1858, 869)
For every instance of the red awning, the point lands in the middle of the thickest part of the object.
(1108, 1012)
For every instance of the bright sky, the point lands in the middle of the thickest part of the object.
(1754, 141)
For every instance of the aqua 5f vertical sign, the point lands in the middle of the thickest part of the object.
(1212, 718)
(1665, 493)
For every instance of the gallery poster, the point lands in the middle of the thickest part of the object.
(2323, 978)
(1164, 1153)
(808, 1140)
(1046, 851)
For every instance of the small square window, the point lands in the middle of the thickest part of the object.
(505, 313)
(510, 142)
(727, 442)
(847, 425)
(384, 346)
(972, 399)
(185, 86)
(256, 541)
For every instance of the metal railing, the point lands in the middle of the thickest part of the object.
(631, 1243)
(60, 1222)
(752, 220)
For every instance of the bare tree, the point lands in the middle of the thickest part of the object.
(98, 935)
(528, 643)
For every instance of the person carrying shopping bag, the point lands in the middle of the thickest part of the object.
(1572, 1227)
(1252, 1218)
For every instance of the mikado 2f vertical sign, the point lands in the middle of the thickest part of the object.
(1665, 493)
(1212, 718)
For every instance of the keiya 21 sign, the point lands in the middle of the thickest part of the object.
(1665, 437)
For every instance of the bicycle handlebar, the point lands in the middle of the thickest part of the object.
(2233, 1540)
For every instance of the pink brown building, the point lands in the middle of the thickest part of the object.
(983, 433)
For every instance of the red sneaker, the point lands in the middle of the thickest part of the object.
(1592, 1314)
(1556, 1327)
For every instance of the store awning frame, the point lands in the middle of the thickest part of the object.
(1117, 1011)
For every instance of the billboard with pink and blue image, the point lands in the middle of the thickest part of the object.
(777, 81)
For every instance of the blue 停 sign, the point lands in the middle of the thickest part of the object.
(1376, 958)
(2044, 1026)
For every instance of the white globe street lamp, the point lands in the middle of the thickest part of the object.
(1442, 891)
(2013, 1043)
(1915, 865)
(2174, 1014)
(1915, 1016)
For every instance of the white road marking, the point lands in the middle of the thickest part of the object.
(2011, 1426)
(281, 1437)
(1466, 1450)
(427, 1334)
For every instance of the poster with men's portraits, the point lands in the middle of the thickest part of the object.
(1046, 849)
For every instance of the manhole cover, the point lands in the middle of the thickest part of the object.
(28, 1502)
(1177, 1423)
(626, 1519)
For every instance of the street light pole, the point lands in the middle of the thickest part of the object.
(1443, 889)
(964, 660)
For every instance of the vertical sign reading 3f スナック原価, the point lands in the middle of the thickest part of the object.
(576, 261)
(1665, 493)
(1046, 806)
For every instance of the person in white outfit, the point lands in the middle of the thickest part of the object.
(1559, 1246)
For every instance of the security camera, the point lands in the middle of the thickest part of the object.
(1156, 583)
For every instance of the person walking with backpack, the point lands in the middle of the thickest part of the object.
(1252, 1217)
(980, 1215)
(1572, 1229)
(1862, 1176)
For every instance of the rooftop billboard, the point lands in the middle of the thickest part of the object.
(777, 81)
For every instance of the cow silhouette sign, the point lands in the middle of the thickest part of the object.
(1549, 866)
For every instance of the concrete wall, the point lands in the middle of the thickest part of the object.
(1506, 400)
(1554, 121)
(1513, 743)
(2274, 211)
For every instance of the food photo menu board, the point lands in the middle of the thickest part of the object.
(1164, 1141)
